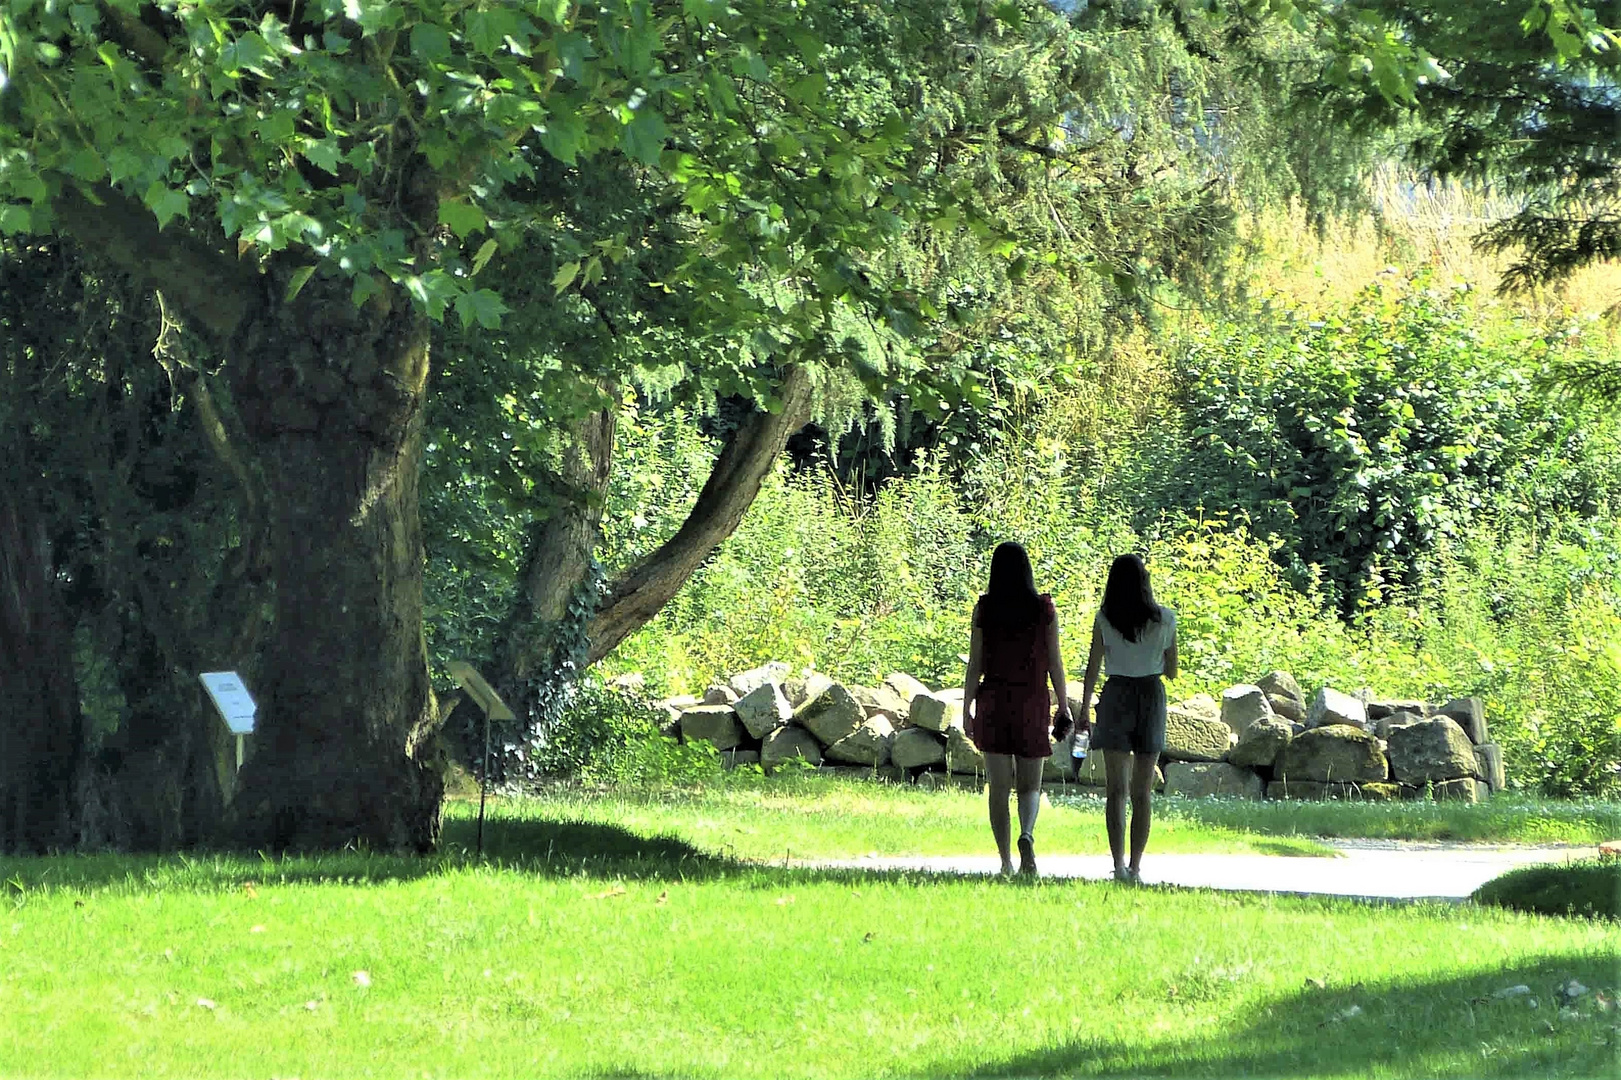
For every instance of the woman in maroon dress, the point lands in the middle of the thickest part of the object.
(1013, 653)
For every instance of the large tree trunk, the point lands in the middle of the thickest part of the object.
(733, 483)
(332, 398)
(42, 736)
(560, 550)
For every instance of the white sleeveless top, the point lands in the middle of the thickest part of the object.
(1146, 655)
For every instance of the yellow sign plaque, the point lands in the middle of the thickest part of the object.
(482, 693)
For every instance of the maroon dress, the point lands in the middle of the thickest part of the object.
(1012, 714)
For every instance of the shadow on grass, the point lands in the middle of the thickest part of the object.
(1449, 1027)
(543, 848)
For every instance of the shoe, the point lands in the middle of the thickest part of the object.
(1027, 856)
(1122, 875)
(1135, 874)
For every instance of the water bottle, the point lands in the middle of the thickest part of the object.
(1078, 748)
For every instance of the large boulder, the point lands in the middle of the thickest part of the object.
(1206, 778)
(905, 686)
(804, 687)
(1201, 705)
(913, 748)
(789, 742)
(745, 683)
(1463, 789)
(1380, 708)
(763, 709)
(831, 714)
(731, 759)
(934, 712)
(1197, 733)
(1093, 773)
(715, 724)
(1372, 791)
(868, 744)
(1242, 705)
(1338, 752)
(1055, 766)
(1470, 715)
(1282, 684)
(1287, 707)
(1332, 708)
(1261, 742)
(962, 756)
(720, 695)
(881, 701)
(1489, 760)
(1383, 726)
(1430, 750)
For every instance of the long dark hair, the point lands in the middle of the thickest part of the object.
(1128, 601)
(1010, 598)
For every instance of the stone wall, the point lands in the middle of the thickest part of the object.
(1260, 740)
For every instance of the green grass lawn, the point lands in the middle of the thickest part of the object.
(812, 817)
(606, 938)
(816, 818)
(1507, 818)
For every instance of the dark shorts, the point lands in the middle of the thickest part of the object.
(1131, 715)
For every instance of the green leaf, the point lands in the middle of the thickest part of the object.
(485, 252)
(429, 42)
(166, 202)
(487, 31)
(463, 217)
(704, 11)
(565, 275)
(482, 306)
(645, 135)
(324, 154)
(563, 136)
(295, 282)
(250, 52)
(366, 286)
(15, 218)
(373, 16)
(553, 11)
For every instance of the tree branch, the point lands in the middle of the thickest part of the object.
(137, 38)
(214, 291)
(732, 486)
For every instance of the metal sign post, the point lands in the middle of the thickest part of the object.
(234, 704)
(485, 697)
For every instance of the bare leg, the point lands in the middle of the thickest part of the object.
(1027, 782)
(1142, 794)
(999, 772)
(1117, 779)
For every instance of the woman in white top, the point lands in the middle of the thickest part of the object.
(1134, 639)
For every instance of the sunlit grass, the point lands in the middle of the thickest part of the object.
(626, 946)
(813, 817)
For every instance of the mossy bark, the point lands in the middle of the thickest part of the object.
(332, 399)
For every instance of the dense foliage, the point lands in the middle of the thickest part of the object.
(1517, 598)
(1367, 440)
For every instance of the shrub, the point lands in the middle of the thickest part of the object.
(1589, 888)
(1367, 440)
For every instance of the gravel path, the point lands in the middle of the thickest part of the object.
(1390, 871)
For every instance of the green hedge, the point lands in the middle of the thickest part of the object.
(1590, 888)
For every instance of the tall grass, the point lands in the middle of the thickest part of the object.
(861, 587)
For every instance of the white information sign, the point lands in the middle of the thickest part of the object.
(232, 700)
